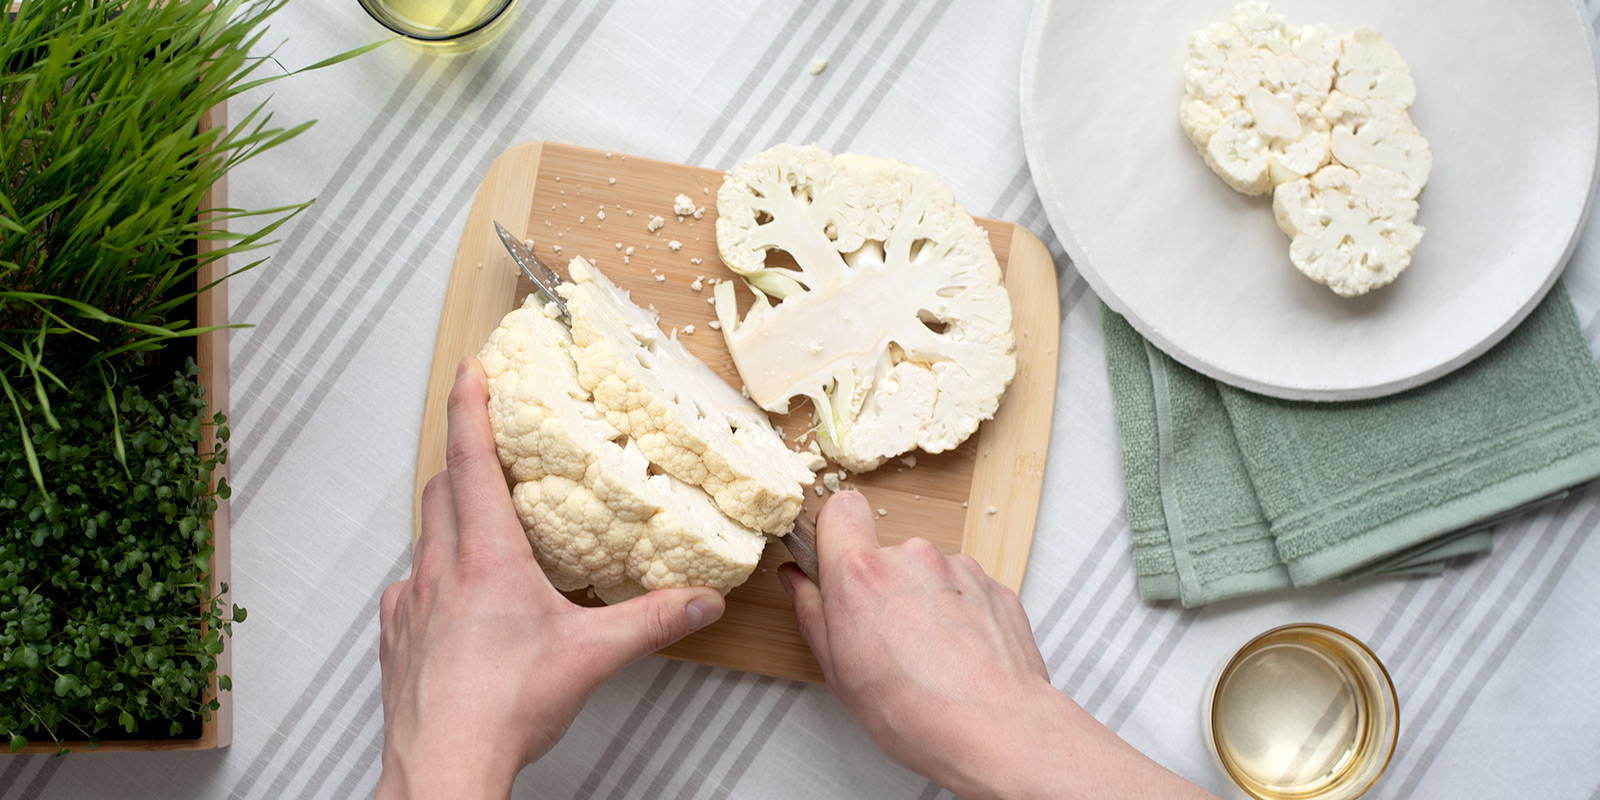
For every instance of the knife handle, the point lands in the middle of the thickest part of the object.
(802, 544)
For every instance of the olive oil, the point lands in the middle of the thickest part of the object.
(1304, 711)
(441, 21)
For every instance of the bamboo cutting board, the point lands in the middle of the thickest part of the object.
(554, 194)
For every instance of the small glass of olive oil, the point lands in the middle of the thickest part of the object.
(1303, 712)
(443, 25)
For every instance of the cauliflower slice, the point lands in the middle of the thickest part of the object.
(685, 419)
(894, 323)
(1322, 122)
(584, 495)
(1253, 92)
(1352, 232)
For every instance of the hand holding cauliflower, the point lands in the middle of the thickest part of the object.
(1320, 121)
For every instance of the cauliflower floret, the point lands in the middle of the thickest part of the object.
(590, 508)
(685, 419)
(1352, 232)
(1378, 133)
(1370, 69)
(624, 531)
(543, 421)
(894, 325)
(1253, 90)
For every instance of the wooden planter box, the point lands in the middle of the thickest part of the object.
(211, 355)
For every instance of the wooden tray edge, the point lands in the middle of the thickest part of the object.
(479, 245)
(1013, 447)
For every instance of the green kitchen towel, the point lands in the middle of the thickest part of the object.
(1231, 493)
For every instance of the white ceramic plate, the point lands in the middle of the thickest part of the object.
(1506, 94)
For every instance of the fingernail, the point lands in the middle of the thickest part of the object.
(788, 582)
(700, 612)
(461, 368)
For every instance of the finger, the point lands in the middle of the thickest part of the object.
(388, 603)
(845, 525)
(808, 614)
(640, 626)
(437, 544)
(487, 524)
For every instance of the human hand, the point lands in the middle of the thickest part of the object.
(938, 663)
(484, 663)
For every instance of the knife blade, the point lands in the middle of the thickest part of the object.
(802, 544)
(543, 277)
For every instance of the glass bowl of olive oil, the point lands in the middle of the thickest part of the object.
(1303, 712)
(450, 25)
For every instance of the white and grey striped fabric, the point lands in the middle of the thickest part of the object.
(1494, 661)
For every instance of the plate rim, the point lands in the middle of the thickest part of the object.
(1080, 262)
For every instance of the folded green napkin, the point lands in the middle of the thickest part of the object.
(1232, 493)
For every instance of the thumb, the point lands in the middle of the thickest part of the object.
(644, 624)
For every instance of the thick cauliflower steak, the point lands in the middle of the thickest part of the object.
(893, 322)
(688, 422)
(583, 492)
(1271, 107)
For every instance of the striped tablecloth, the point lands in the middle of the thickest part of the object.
(1495, 661)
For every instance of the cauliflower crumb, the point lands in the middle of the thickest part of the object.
(699, 212)
(608, 155)
(991, 510)
(629, 212)
(963, 504)
(558, 179)
(655, 224)
(831, 481)
(674, 245)
(696, 262)
(612, 180)
(619, 245)
(817, 65)
(917, 497)
(682, 205)
(601, 214)
(814, 447)
(818, 490)
(699, 283)
(660, 278)
(580, 219)
(910, 461)
(528, 243)
(556, 247)
(628, 251)
(883, 512)
(714, 325)
(815, 346)
(688, 330)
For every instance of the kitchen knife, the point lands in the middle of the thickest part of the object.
(543, 277)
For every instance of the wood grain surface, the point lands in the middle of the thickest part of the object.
(578, 200)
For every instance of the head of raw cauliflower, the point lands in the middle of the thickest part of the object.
(874, 295)
(686, 420)
(596, 510)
